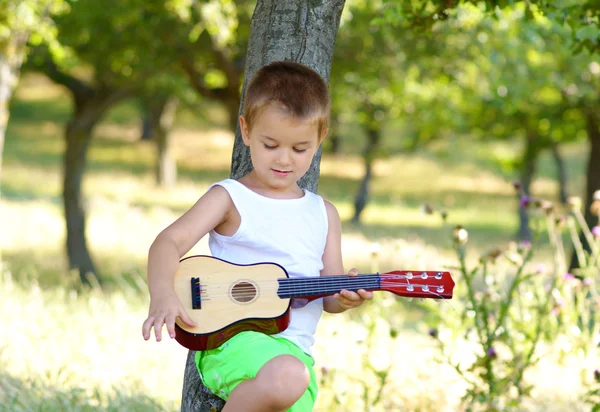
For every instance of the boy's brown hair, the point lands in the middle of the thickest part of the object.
(297, 89)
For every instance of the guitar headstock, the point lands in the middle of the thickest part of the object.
(418, 283)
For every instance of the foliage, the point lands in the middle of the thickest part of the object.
(32, 19)
(514, 317)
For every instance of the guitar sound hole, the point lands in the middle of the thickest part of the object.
(243, 292)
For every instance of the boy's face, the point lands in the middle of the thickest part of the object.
(281, 147)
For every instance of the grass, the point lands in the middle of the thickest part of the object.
(73, 349)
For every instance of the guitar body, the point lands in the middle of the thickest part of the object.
(228, 299)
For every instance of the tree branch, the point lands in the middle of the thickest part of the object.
(77, 87)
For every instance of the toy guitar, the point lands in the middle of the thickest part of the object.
(225, 299)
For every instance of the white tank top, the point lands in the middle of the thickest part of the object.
(289, 232)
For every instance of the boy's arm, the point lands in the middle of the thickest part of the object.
(211, 210)
(333, 265)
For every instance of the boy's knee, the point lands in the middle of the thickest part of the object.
(285, 379)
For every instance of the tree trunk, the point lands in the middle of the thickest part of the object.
(11, 59)
(280, 30)
(373, 139)
(527, 171)
(593, 179)
(78, 135)
(146, 126)
(561, 171)
(162, 115)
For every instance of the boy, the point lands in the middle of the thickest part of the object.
(263, 217)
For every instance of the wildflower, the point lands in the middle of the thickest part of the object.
(524, 246)
(559, 222)
(555, 310)
(444, 215)
(569, 276)
(541, 268)
(460, 235)
(597, 375)
(548, 207)
(324, 370)
(595, 207)
(495, 254)
(433, 332)
(588, 282)
(427, 209)
(596, 231)
(525, 202)
(574, 203)
(517, 185)
(491, 352)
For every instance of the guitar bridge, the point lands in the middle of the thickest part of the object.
(196, 293)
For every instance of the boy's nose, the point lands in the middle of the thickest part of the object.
(284, 158)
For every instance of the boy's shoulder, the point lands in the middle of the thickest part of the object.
(332, 213)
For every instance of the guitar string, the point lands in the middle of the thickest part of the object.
(334, 278)
(250, 292)
(316, 284)
(441, 297)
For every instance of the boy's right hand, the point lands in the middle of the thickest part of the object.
(164, 309)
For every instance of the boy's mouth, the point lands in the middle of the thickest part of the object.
(281, 172)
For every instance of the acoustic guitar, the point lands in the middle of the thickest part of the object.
(225, 299)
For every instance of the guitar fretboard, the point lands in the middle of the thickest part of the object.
(326, 285)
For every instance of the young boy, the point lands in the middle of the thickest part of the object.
(263, 217)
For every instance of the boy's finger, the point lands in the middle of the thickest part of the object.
(158, 323)
(350, 295)
(146, 327)
(365, 295)
(170, 321)
(186, 318)
(353, 272)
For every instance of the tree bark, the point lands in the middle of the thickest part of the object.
(527, 171)
(301, 31)
(78, 133)
(161, 113)
(561, 172)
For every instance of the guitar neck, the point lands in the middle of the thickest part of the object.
(326, 285)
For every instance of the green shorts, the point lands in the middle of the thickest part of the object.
(240, 359)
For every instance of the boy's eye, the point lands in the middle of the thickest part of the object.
(299, 150)
(269, 147)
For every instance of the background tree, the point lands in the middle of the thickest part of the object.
(22, 22)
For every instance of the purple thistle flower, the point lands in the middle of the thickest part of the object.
(524, 245)
(541, 268)
(517, 185)
(596, 231)
(597, 375)
(491, 352)
(433, 332)
(588, 282)
(525, 201)
(568, 276)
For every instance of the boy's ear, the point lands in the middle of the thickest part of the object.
(323, 135)
(244, 130)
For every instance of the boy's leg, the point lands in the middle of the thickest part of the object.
(277, 386)
(255, 367)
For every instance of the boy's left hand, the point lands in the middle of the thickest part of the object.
(348, 299)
